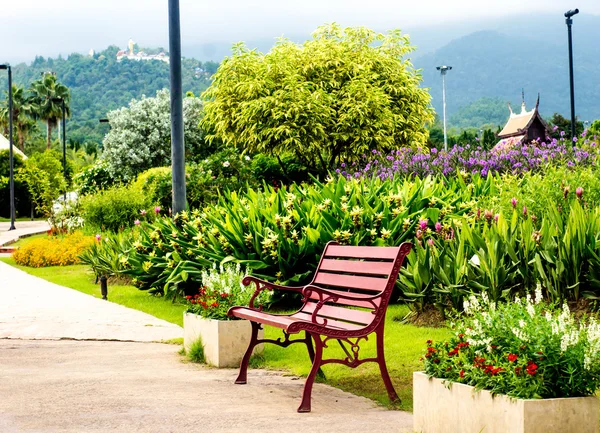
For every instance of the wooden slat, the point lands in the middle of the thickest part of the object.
(266, 318)
(350, 302)
(358, 267)
(345, 314)
(389, 253)
(331, 323)
(351, 281)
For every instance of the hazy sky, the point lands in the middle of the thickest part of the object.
(50, 27)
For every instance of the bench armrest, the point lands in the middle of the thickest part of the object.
(265, 285)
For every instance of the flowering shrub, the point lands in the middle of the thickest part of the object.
(474, 160)
(222, 289)
(524, 349)
(53, 251)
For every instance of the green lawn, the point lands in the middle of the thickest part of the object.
(404, 344)
(24, 240)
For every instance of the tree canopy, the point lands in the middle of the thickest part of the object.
(140, 135)
(335, 97)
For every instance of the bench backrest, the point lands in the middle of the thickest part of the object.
(361, 271)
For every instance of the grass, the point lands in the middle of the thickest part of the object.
(404, 344)
(7, 220)
(26, 239)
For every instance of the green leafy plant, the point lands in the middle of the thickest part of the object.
(221, 289)
(524, 349)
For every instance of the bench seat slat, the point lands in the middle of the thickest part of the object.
(284, 321)
(358, 267)
(351, 281)
(389, 253)
(345, 314)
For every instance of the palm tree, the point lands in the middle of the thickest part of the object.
(46, 100)
(22, 116)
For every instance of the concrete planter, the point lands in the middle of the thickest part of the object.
(462, 409)
(224, 341)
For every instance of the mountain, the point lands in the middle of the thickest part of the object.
(500, 65)
(100, 83)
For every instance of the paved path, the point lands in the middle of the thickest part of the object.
(22, 228)
(32, 308)
(77, 386)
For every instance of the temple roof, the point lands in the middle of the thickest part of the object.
(519, 123)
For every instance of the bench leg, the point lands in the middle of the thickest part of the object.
(243, 376)
(311, 354)
(382, 366)
(318, 356)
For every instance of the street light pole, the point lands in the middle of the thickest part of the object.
(10, 151)
(177, 143)
(444, 70)
(64, 143)
(569, 14)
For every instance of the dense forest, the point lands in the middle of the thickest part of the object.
(100, 83)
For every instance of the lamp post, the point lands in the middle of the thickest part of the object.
(64, 143)
(569, 14)
(444, 69)
(10, 147)
(177, 143)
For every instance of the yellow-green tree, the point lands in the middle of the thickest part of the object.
(335, 97)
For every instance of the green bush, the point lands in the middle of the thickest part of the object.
(93, 179)
(22, 196)
(114, 209)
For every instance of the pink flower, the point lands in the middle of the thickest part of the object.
(579, 192)
(157, 210)
(514, 202)
(137, 222)
(143, 212)
(423, 224)
(496, 217)
(98, 238)
(430, 242)
(438, 226)
(524, 210)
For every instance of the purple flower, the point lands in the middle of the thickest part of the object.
(579, 192)
(423, 224)
(514, 202)
(157, 210)
(524, 210)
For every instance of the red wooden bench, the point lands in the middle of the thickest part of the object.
(347, 276)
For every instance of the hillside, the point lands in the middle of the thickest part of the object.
(493, 64)
(99, 84)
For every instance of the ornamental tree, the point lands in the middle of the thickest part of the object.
(335, 97)
(140, 135)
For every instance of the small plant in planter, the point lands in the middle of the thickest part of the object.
(537, 359)
(225, 340)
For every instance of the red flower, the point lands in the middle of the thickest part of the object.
(436, 361)
(461, 335)
(518, 370)
(429, 342)
(453, 352)
(531, 368)
(188, 297)
(461, 374)
(449, 368)
(512, 357)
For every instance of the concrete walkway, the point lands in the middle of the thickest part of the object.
(22, 228)
(48, 385)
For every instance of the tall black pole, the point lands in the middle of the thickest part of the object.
(569, 22)
(177, 143)
(64, 143)
(10, 152)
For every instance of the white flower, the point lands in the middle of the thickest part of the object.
(247, 158)
(226, 164)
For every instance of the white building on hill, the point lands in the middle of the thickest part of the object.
(140, 55)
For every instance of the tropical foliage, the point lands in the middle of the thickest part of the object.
(333, 98)
(47, 98)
